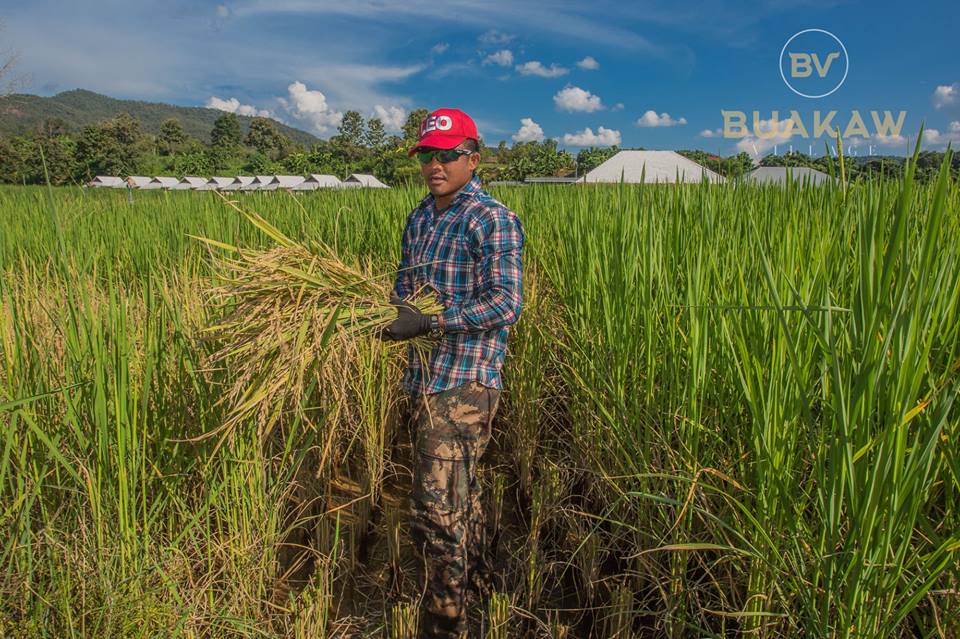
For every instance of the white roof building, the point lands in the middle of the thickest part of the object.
(245, 183)
(287, 181)
(141, 182)
(196, 184)
(266, 182)
(223, 183)
(366, 180)
(778, 175)
(107, 181)
(650, 167)
(319, 181)
(163, 182)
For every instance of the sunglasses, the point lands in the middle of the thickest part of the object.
(443, 155)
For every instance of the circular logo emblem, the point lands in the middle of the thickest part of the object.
(444, 122)
(814, 63)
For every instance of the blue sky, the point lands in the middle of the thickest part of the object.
(651, 74)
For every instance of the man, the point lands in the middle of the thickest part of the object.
(467, 248)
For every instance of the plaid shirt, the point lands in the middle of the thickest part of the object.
(470, 253)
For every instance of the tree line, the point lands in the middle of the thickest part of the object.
(868, 167)
(119, 146)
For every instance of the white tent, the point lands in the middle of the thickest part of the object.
(778, 175)
(107, 181)
(141, 182)
(650, 166)
(196, 184)
(267, 182)
(163, 182)
(366, 180)
(245, 183)
(319, 181)
(288, 181)
(224, 183)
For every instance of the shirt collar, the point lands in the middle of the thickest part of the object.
(466, 191)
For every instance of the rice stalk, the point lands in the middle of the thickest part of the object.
(557, 630)
(392, 518)
(496, 495)
(312, 611)
(285, 322)
(403, 621)
(498, 613)
(618, 623)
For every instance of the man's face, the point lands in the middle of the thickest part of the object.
(444, 179)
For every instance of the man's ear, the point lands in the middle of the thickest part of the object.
(474, 161)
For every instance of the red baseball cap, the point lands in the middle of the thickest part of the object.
(445, 129)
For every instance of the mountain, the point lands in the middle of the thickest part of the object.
(21, 112)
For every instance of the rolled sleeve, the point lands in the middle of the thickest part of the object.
(498, 238)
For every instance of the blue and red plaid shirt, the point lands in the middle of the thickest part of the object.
(470, 253)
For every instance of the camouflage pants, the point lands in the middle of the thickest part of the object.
(453, 428)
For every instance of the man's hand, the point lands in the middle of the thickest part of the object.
(410, 322)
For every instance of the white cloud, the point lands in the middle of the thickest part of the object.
(651, 119)
(711, 133)
(75, 49)
(935, 137)
(574, 20)
(603, 137)
(452, 68)
(617, 107)
(439, 48)
(888, 140)
(310, 107)
(392, 117)
(577, 99)
(946, 94)
(534, 67)
(757, 146)
(529, 131)
(503, 57)
(588, 63)
(357, 86)
(875, 140)
(494, 37)
(223, 11)
(233, 105)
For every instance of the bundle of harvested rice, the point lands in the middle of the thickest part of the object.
(286, 321)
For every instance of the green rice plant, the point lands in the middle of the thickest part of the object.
(546, 498)
(312, 609)
(528, 377)
(861, 381)
(544, 501)
(496, 496)
(392, 524)
(749, 393)
(498, 615)
(372, 396)
(587, 557)
(533, 573)
(403, 621)
(618, 618)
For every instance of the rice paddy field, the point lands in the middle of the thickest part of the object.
(729, 411)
